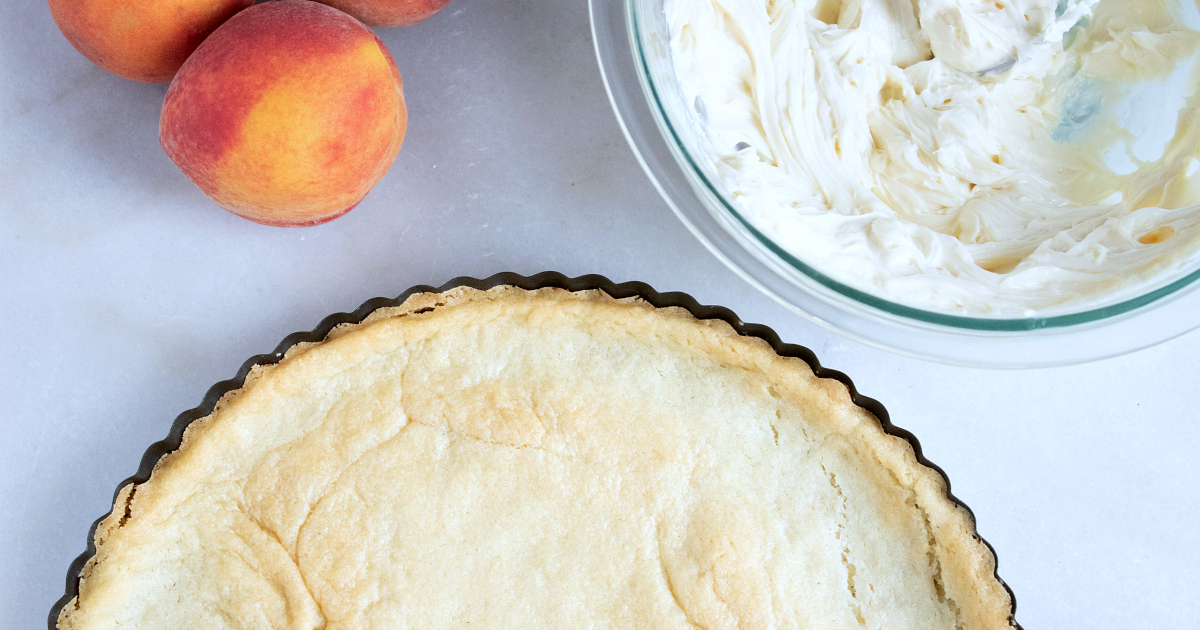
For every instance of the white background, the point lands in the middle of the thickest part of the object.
(126, 293)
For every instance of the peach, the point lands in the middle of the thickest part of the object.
(143, 40)
(288, 114)
(389, 12)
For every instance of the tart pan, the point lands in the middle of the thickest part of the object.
(548, 279)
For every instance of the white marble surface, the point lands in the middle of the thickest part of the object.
(127, 293)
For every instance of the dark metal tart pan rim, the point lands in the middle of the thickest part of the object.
(546, 279)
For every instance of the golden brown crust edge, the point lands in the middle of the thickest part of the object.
(966, 567)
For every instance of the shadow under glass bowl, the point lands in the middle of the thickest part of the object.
(632, 46)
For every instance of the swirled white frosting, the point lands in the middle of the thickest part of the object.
(895, 146)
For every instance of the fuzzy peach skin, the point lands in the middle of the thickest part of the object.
(143, 40)
(288, 114)
(389, 12)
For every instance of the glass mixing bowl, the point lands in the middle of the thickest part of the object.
(632, 46)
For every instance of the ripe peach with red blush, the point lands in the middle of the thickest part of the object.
(288, 114)
(143, 40)
(389, 12)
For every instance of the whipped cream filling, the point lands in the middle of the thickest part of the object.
(996, 159)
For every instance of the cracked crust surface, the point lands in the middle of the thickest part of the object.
(509, 458)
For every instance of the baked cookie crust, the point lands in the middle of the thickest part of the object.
(538, 458)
